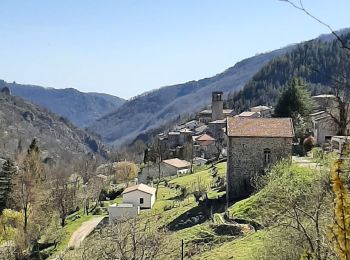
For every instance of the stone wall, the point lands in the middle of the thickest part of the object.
(246, 159)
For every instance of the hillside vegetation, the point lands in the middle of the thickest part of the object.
(316, 62)
(22, 121)
(257, 228)
(156, 108)
(80, 108)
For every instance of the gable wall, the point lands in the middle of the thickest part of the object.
(246, 159)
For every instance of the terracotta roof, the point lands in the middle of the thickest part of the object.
(259, 127)
(177, 163)
(205, 137)
(140, 187)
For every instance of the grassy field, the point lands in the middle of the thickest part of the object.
(205, 237)
(70, 227)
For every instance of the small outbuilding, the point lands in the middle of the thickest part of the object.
(140, 195)
(175, 166)
(121, 211)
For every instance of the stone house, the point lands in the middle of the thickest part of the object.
(254, 144)
(168, 168)
(323, 127)
(340, 143)
(249, 114)
(204, 146)
(217, 111)
(264, 111)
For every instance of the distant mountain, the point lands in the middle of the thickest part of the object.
(80, 108)
(155, 108)
(317, 62)
(21, 121)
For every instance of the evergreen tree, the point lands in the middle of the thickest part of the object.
(6, 174)
(294, 101)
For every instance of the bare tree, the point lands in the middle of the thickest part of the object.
(300, 6)
(62, 191)
(341, 82)
(125, 239)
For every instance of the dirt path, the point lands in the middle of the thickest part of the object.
(83, 231)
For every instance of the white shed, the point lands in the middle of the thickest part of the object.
(121, 211)
(140, 195)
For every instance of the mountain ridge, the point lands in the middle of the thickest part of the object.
(154, 108)
(21, 121)
(79, 107)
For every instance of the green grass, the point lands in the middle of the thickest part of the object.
(243, 248)
(295, 176)
(70, 227)
(202, 178)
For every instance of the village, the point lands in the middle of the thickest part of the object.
(192, 130)
(202, 173)
(250, 143)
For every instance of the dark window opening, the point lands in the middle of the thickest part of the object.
(141, 200)
(267, 156)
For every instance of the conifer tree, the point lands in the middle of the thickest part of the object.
(294, 101)
(7, 173)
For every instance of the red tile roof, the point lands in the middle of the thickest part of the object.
(259, 127)
(205, 137)
(140, 187)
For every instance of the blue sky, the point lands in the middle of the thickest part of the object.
(128, 47)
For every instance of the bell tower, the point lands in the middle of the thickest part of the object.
(217, 106)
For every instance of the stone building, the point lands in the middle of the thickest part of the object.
(217, 106)
(168, 168)
(254, 144)
(323, 127)
(217, 111)
(264, 111)
(204, 146)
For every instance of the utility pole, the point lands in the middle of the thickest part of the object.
(182, 249)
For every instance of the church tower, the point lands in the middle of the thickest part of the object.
(217, 106)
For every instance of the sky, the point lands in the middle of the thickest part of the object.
(127, 47)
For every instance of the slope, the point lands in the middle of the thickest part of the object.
(320, 63)
(80, 108)
(21, 121)
(153, 109)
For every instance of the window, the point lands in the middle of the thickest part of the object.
(267, 156)
(141, 200)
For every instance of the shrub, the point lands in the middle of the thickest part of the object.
(98, 211)
(317, 154)
(167, 207)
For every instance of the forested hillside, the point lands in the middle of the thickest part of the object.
(80, 108)
(317, 62)
(154, 109)
(21, 122)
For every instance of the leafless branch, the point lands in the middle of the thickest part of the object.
(301, 7)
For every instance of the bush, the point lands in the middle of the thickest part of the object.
(298, 150)
(167, 207)
(111, 193)
(317, 154)
(98, 211)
